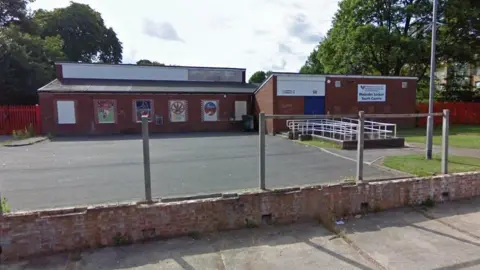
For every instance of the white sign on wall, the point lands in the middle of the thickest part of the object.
(66, 112)
(300, 86)
(372, 92)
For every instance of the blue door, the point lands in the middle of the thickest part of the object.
(314, 105)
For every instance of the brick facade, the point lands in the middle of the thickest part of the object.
(86, 123)
(399, 100)
(265, 101)
(26, 234)
(341, 100)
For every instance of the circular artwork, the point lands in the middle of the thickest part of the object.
(177, 107)
(210, 108)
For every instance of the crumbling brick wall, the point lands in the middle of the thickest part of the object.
(25, 234)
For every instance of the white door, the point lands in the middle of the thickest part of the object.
(240, 109)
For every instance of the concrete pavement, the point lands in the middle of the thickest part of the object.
(79, 171)
(446, 236)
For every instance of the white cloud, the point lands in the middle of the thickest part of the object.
(267, 34)
(164, 30)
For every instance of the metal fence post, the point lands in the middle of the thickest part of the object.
(146, 159)
(445, 128)
(261, 133)
(360, 142)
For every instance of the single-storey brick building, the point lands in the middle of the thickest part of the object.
(107, 99)
(297, 94)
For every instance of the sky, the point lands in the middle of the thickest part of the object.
(275, 35)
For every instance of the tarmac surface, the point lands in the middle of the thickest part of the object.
(446, 236)
(80, 171)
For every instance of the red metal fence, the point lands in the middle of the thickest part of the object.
(18, 118)
(466, 113)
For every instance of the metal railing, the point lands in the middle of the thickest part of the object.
(306, 122)
(344, 128)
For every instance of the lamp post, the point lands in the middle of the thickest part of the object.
(428, 153)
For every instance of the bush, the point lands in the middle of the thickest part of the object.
(4, 205)
(25, 133)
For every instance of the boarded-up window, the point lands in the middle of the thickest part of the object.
(66, 112)
(240, 109)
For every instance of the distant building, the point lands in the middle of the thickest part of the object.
(469, 73)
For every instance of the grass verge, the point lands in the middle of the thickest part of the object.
(321, 143)
(418, 165)
(463, 136)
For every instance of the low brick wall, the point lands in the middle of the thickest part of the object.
(25, 234)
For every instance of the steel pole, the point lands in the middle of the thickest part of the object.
(360, 144)
(445, 128)
(146, 159)
(261, 145)
(428, 153)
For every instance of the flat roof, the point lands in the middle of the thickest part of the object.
(333, 76)
(135, 65)
(131, 86)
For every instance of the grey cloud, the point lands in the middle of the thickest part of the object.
(284, 48)
(161, 30)
(302, 29)
(280, 66)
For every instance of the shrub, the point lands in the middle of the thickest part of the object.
(4, 205)
(25, 133)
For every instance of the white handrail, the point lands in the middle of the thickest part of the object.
(345, 128)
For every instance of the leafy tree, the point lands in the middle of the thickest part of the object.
(26, 64)
(378, 37)
(259, 76)
(13, 11)
(393, 37)
(145, 62)
(313, 64)
(86, 38)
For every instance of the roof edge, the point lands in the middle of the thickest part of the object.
(135, 65)
(347, 76)
(263, 83)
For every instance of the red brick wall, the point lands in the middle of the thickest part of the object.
(343, 100)
(287, 105)
(86, 122)
(265, 102)
(26, 234)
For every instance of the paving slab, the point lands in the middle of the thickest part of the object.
(301, 246)
(406, 239)
(463, 215)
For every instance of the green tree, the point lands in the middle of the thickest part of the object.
(146, 62)
(26, 64)
(313, 64)
(13, 11)
(259, 76)
(378, 37)
(86, 38)
(393, 37)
